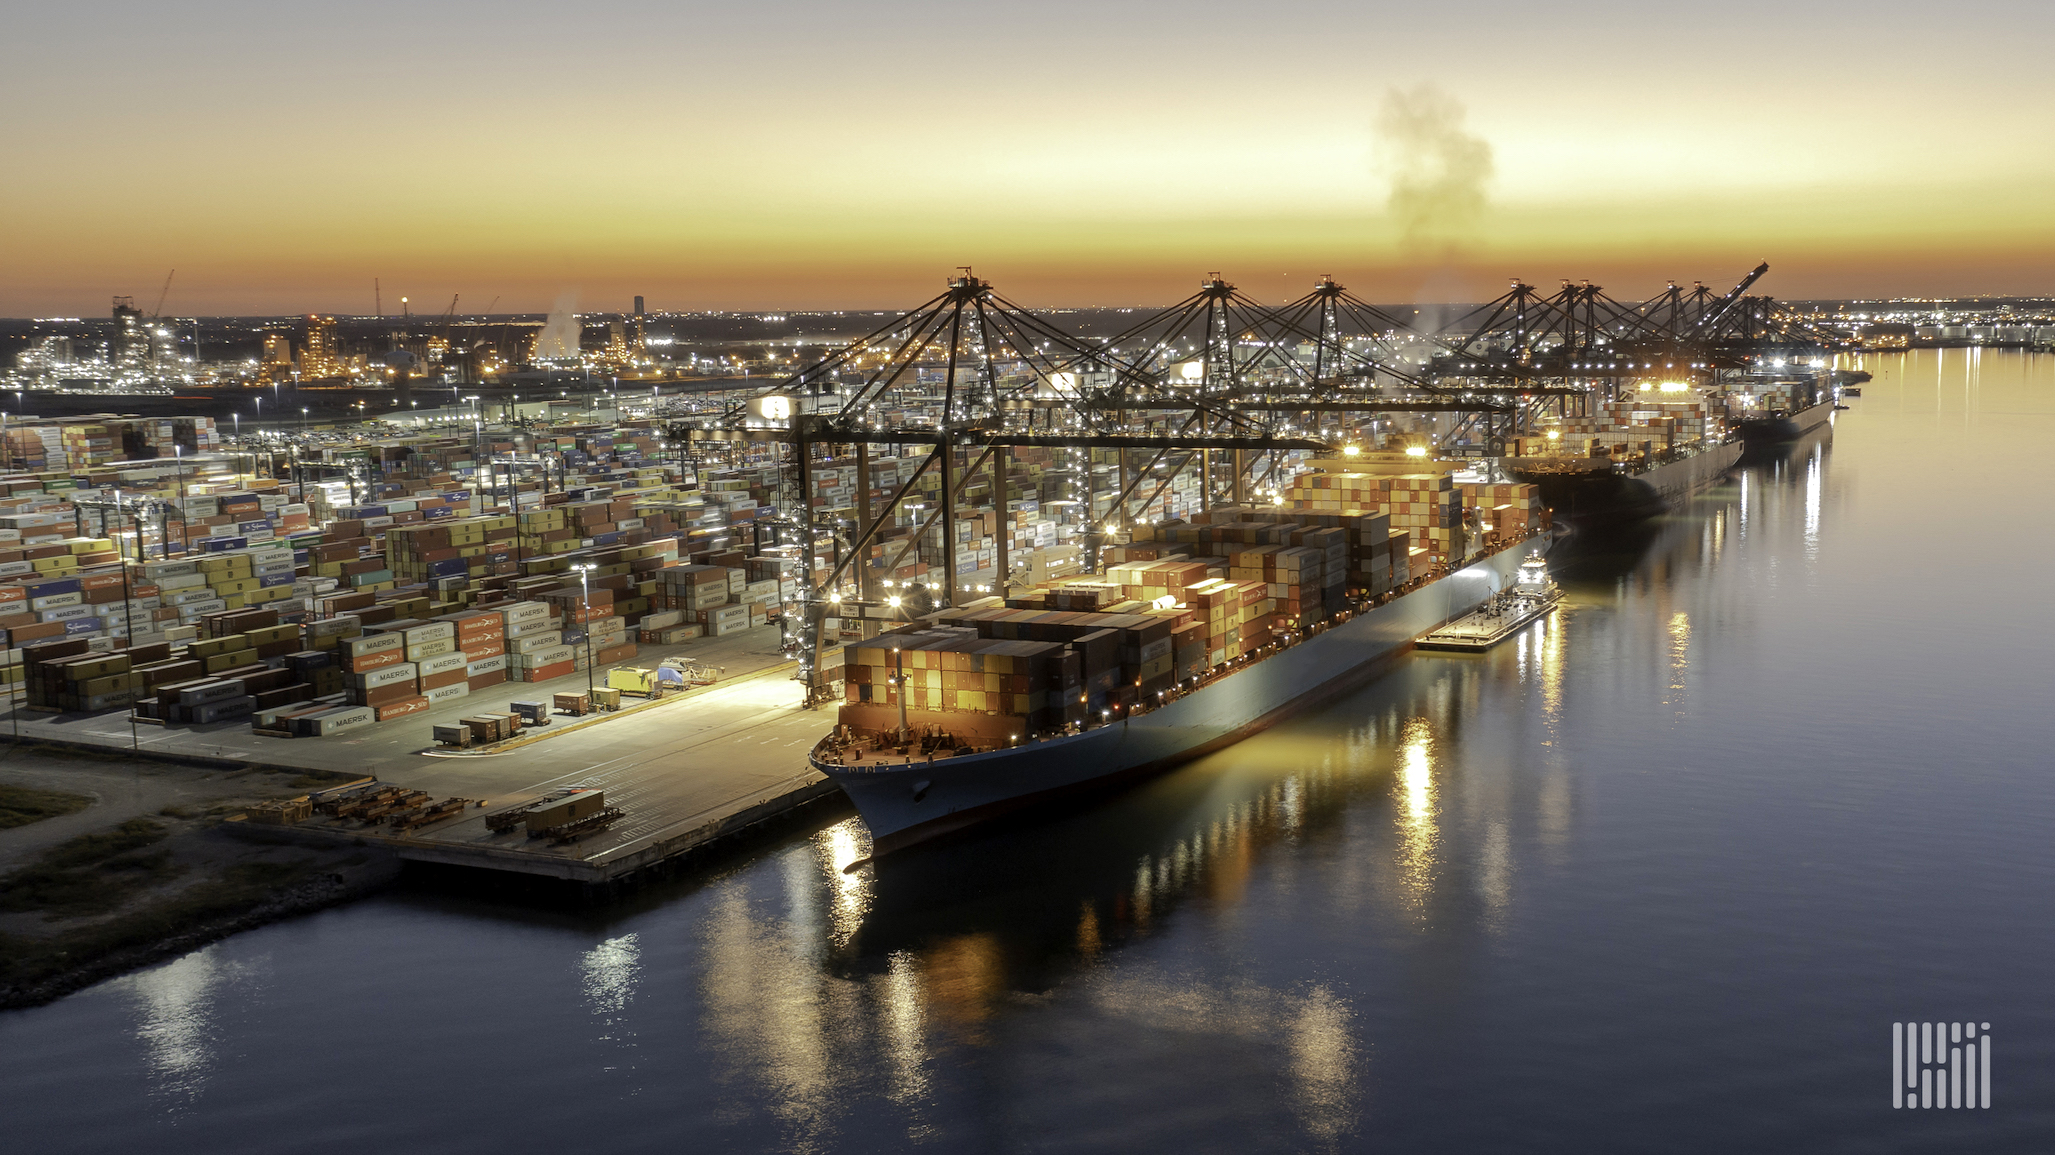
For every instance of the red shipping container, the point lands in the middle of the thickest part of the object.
(402, 707)
(553, 670)
(480, 681)
(364, 662)
(387, 695)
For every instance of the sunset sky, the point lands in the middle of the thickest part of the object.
(799, 153)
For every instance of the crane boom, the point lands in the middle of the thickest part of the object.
(162, 293)
(1719, 310)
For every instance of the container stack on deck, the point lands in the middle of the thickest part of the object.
(1647, 421)
(1178, 601)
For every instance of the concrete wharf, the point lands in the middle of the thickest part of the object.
(688, 770)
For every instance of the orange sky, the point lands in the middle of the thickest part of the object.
(803, 155)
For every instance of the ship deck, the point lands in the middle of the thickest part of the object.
(1482, 630)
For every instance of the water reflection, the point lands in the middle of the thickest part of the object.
(607, 976)
(1814, 461)
(1679, 658)
(1309, 1035)
(1415, 814)
(839, 847)
(903, 1023)
(609, 971)
(176, 1006)
(764, 1011)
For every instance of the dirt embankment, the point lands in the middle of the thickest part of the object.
(123, 889)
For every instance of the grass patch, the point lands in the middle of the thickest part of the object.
(235, 891)
(20, 805)
(87, 849)
(91, 890)
(91, 874)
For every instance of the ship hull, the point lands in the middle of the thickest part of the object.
(1765, 434)
(904, 805)
(1603, 501)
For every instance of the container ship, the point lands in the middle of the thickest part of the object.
(1207, 632)
(1783, 410)
(1635, 458)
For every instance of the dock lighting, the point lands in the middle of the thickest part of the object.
(1555, 435)
(584, 572)
(893, 601)
(1416, 451)
(1674, 386)
(1351, 450)
(835, 596)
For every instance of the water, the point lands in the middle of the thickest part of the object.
(1658, 876)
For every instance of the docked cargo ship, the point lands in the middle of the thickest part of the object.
(1634, 459)
(1598, 494)
(1782, 411)
(1782, 427)
(911, 787)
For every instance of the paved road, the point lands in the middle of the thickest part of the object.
(674, 765)
(387, 749)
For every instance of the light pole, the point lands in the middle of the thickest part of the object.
(584, 570)
(899, 663)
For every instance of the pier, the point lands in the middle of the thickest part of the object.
(688, 770)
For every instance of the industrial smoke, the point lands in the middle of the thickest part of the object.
(558, 340)
(1439, 171)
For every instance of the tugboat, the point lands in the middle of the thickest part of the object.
(1531, 596)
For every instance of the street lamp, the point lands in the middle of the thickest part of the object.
(584, 570)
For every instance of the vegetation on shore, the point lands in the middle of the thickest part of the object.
(146, 889)
(21, 805)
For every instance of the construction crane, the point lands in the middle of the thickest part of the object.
(449, 318)
(162, 293)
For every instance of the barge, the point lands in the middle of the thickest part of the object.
(1530, 598)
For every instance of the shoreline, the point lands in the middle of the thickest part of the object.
(327, 887)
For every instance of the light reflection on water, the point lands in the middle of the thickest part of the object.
(176, 1009)
(1657, 862)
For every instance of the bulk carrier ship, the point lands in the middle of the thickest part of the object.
(912, 782)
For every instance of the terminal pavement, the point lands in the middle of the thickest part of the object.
(686, 769)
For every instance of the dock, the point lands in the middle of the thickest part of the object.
(688, 770)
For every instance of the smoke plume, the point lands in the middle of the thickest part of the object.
(558, 340)
(1439, 171)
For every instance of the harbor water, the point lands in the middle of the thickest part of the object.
(1660, 873)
